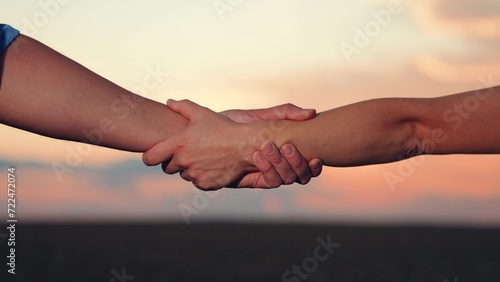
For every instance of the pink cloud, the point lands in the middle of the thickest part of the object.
(364, 191)
(272, 204)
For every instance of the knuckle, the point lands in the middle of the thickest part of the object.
(276, 158)
(195, 174)
(186, 175)
(296, 161)
(203, 182)
(184, 162)
(206, 186)
(264, 167)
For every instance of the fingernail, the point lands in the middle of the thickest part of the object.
(309, 111)
(258, 157)
(267, 147)
(317, 166)
(286, 150)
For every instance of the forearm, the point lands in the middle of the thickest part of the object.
(369, 132)
(387, 130)
(46, 93)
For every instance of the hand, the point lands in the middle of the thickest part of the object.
(280, 166)
(283, 166)
(211, 151)
(228, 170)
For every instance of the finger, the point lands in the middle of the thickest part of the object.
(273, 155)
(241, 116)
(161, 152)
(253, 180)
(293, 112)
(297, 162)
(185, 175)
(269, 174)
(186, 108)
(316, 166)
(285, 111)
(172, 166)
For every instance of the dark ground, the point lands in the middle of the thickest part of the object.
(251, 252)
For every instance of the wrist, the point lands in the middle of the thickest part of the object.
(275, 131)
(249, 143)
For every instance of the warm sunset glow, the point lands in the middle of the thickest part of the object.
(259, 54)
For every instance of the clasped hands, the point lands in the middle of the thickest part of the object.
(232, 148)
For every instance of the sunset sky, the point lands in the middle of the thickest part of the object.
(250, 54)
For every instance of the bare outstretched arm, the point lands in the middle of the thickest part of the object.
(49, 94)
(387, 130)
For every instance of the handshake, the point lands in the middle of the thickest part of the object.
(234, 148)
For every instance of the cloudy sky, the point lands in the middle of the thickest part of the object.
(247, 54)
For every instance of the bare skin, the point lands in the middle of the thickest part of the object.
(387, 130)
(46, 93)
(369, 132)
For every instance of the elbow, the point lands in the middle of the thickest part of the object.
(419, 140)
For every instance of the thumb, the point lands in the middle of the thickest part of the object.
(285, 111)
(185, 108)
(292, 112)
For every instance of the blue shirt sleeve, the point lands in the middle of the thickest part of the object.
(7, 35)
